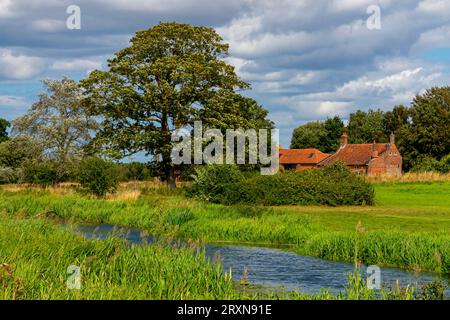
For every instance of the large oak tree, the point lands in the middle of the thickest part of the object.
(170, 76)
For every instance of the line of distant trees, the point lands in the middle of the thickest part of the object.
(422, 131)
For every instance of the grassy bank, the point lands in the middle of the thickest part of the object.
(409, 226)
(35, 256)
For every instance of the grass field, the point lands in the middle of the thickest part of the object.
(409, 226)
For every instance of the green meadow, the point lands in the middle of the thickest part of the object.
(408, 227)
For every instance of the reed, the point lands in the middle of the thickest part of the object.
(408, 227)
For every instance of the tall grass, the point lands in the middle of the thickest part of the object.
(397, 233)
(34, 257)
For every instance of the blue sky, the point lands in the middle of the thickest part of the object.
(306, 60)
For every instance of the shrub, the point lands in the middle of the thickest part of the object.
(98, 176)
(8, 175)
(430, 164)
(134, 171)
(209, 181)
(40, 173)
(333, 185)
(445, 164)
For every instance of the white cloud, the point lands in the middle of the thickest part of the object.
(19, 66)
(12, 101)
(440, 7)
(5, 8)
(76, 65)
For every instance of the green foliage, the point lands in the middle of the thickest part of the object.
(3, 127)
(8, 175)
(407, 228)
(158, 84)
(333, 185)
(430, 164)
(324, 136)
(428, 133)
(210, 181)
(365, 127)
(309, 135)
(333, 128)
(98, 176)
(36, 255)
(178, 216)
(58, 123)
(39, 173)
(19, 149)
(395, 120)
(134, 171)
(433, 291)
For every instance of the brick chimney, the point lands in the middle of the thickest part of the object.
(392, 138)
(374, 149)
(344, 138)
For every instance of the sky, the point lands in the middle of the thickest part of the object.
(305, 59)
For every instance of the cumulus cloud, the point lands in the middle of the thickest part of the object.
(306, 60)
(18, 66)
(76, 64)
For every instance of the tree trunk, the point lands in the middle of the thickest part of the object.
(171, 179)
(169, 171)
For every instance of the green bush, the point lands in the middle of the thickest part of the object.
(333, 185)
(210, 180)
(98, 176)
(445, 164)
(42, 173)
(8, 175)
(134, 171)
(430, 164)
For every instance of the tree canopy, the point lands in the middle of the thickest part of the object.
(58, 122)
(428, 131)
(3, 130)
(170, 76)
(324, 136)
(365, 127)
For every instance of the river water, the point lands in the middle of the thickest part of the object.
(272, 267)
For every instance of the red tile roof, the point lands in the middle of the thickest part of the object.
(356, 154)
(301, 156)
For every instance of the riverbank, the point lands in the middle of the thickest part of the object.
(43, 260)
(409, 227)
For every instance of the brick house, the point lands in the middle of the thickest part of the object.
(300, 159)
(372, 159)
